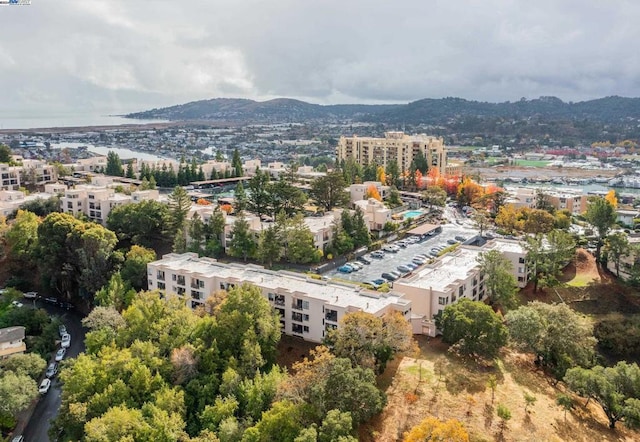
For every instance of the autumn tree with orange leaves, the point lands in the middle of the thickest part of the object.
(431, 429)
(469, 192)
(372, 192)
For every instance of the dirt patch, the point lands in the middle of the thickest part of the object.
(292, 350)
(443, 385)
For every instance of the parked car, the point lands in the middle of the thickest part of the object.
(401, 244)
(389, 276)
(378, 254)
(52, 370)
(62, 330)
(345, 269)
(60, 354)
(44, 386)
(461, 238)
(364, 260)
(403, 269)
(421, 255)
(419, 261)
(371, 284)
(356, 266)
(30, 295)
(391, 248)
(18, 438)
(66, 341)
(17, 304)
(379, 281)
(452, 241)
(51, 300)
(412, 265)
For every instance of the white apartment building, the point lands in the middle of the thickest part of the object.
(376, 214)
(455, 275)
(394, 146)
(9, 177)
(573, 200)
(358, 192)
(307, 307)
(96, 202)
(38, 173)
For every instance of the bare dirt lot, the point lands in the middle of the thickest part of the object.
(443, 385)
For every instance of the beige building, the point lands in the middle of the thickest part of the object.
(9, 177)
(575, 201)
(307, 307)
(376, 214)
(12, 341)
(394, 146)
(358, 192)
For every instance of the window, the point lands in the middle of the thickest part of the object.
(295, 316)
(180, 290)
(278, 300)
(281, 312)
(296, 328)
(161, 285)
(196, 294)
(270, 296)
(520, 279)
(461, 290)
(160, 275)
(305, 329)
(180, 279)
(520, 269)
(331, 315)
(521, 260)
(442, 300)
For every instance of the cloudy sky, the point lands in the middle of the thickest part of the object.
(125, 55)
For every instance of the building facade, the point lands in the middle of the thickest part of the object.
(396, 146)
(12, 341)
(308, 308)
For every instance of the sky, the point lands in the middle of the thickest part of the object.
(130, 55)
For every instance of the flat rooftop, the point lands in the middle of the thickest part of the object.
(334, 294)
(449, 268)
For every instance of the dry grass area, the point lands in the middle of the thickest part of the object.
(443, 385)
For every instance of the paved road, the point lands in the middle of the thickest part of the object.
(48, 405)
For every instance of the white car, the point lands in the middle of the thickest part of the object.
(17, 304)
(44, 386)
(61, 354)
(30, 295)
(66, 340)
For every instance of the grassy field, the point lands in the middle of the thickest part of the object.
(531, 163)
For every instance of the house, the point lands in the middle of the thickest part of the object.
(626, 217)
(12, 341)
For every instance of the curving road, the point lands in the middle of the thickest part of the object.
(48, 405)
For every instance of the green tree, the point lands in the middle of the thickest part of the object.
(134, 268)
(243, 244)
(492, 383)
(602, 216)
(240, 198)
(236, 163)
(505, 416)
(336, 426)
(473, 328)
(361, 236)
(281, 423)
(617, 246)
(115, 293)
(144, 223)
(300, 243)
(196, 234)
(5, 153)
(392, 171)
(130, 172)
(285, 198)
(259, 197)
(559, 337)
(269, 246)
(565, 402)
(42, 207)
(30, 364)
(114, 165)
(394, 198)
(17, 390)
(529, 401)
(434, 196)
(500, 284)
(371, 341)
(329, 191)
(179, 206)
(616, 389)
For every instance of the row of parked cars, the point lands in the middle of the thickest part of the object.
(52, 369)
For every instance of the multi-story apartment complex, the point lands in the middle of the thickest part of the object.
(9, 177)
(394, 146)
(96, 202)
(307, 307)
(575, 201)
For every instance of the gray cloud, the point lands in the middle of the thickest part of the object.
(117, 55)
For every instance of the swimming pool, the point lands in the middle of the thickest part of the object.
(412, 214)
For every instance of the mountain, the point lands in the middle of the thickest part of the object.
(278, 110)
(427, 111)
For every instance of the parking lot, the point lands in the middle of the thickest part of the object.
(392, 260)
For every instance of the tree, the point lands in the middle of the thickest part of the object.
(529, 400)
(548, 255)
(281, 423)
(259, 198)
(114, 165)
(538, 221)
(500, 284)
(179, 206)
(372, 192)
(602, 216)
(144, 223)
(612, 198)
(115, 294)
(5, 153)
(17, 390)
(243, 244)
(300, 243)
(393, 174)
(240, 198)
(394, 198)
(285, 198)
(134, 268)
(431, 429)
(29, 364)
(336, 426)
(236, 163)
(565, 401)
(195, 234)
(371, 341)
(42, 207)
(434, 196)
(360, 234)
(492, 383)
(481, 220)
(617, 246)
(616, 389)
(269, 246)
(473, 328)
(543, 202)
(329, 191)
(508, 219)
(505, 416)
(469, 192)
(559, 337)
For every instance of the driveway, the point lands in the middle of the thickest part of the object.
(48, 405)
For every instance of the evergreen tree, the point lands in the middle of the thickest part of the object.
(130, 173)
(240, 197)
(236, 163)
(361, 236)
(300, 246)
(243, 244)
(179, 206)
(269, 246)
(259, 198)
(214, 174)
(114, 165)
